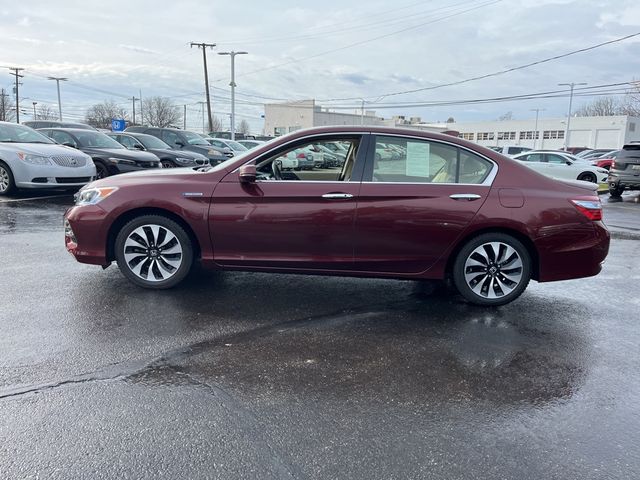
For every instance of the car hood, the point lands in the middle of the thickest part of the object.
(122, 153)
(176, 153)
(45, 149)
(172, 176)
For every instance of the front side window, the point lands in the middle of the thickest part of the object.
(557, 159)
(420, 161)
(171, 138)
(63, 138)
(310, 161)
(128, 142)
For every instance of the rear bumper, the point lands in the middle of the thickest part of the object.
(577, 252)
(630, 182)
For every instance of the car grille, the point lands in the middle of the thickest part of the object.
(73, 179)
(69, 161)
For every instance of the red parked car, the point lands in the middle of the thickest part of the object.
(606, 160)
(444, 208)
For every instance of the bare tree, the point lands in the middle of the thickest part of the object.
(600, 107)
(451, 120)
(161, 112)
(7, 107)
(216, 123)
(46, 112)
(243, 128)
(630, 105)
(101, 114)
(506, 116)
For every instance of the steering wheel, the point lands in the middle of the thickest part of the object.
(276, 169)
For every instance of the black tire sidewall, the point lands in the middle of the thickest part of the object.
(588, 177)
(12, 181)
(175, 229)
(101, 166)
(616, 192)
(458, 268)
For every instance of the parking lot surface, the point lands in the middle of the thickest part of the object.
(243, 375)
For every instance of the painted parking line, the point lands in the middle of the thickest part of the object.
(32, 198)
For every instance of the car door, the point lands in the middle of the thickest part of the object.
(297, 222)
(411, 208)
(558, 167)
(536, 161)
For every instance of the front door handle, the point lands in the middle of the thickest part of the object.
(337, 196)
(465, 196)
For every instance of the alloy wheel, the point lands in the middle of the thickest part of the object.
(5, 182)
(153, 253)
(493, 270)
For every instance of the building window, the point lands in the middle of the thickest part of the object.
(530, 135)
(486, 135)
(468, 136)
(277, 131)
(632, 127)
(293, 129)
(553, 134)
(506, 135)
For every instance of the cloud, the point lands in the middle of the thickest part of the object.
(135, 48)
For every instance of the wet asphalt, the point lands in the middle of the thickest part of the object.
(244, 375)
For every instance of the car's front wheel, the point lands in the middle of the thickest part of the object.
(168, 164)
(588, 177)
(154, 251)
(492, 269)
(7, 183)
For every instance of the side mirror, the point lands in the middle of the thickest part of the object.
(178, 143)
(569, 162)
(69, 144)
(247, 174)
(137, 146)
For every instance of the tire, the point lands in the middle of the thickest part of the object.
(7, 182)
(148, 265)
(588, 177)
(492, 257)
(101, 170)
(616, 192)
(167, 164)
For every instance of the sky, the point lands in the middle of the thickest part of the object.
(340, 53)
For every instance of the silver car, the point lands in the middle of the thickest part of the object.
(28, 159)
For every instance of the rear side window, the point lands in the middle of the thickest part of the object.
(630, 152)
(401, 160)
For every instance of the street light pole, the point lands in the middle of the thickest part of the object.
(572, 85)
(34, 109)
(58, 80)
(233, 54)
(535, 135)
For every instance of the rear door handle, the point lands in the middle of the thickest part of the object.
(337, 196)
(465, 196)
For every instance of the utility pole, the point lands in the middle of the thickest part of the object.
(566, 133)
(362, 112)
(34, 109)
(3, 105)
(204, 47)
(535, 135)
(58, 80)
(16, 73)
(141, 116)
(133, 99)
(184, 118)
(233, 54)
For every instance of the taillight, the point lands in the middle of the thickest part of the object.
(590, 207)
(613, 164)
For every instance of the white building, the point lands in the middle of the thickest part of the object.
(592, 132)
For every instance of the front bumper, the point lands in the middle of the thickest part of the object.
(51, 176)
(85, 234)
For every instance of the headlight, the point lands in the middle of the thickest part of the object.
(91, 196)
(184, 160)
(213, 152)
(34, 159)
(121, 160)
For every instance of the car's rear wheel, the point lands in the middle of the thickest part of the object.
(588, 177)
(7, 183)
(153, 251)
(492, 269)
(167, 164)
(616, 192)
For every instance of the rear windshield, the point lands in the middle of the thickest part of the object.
(629, 151)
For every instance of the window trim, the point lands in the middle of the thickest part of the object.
(368, 173)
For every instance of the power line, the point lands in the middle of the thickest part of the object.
(494, 74)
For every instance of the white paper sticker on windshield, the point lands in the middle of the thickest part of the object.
(417, 164)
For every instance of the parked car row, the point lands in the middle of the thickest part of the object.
(562, 165)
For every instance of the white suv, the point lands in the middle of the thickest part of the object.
(28, 159)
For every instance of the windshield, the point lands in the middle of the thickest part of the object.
(236, 146)
(10, 133)
(96, 140)
(194, 138)
(149, 141)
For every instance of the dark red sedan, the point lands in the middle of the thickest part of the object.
(438, 208)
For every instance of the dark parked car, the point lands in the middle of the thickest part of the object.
(184, 140)
(625, 170)
(447, 209)
(169, 157)
(108, 155)
(37, 124)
